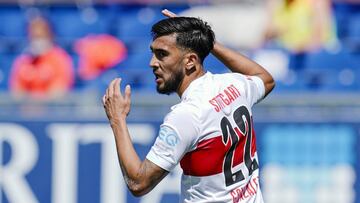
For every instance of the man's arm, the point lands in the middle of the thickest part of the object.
(140, 176)
(237, 62)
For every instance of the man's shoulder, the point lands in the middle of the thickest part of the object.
(190, 108)
(187, 106)
(228, 76)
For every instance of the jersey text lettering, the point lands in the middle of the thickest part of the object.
(225, 98)
(245, 192)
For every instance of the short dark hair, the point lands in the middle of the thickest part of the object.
(191, 33)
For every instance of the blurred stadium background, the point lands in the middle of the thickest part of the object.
(62, 150)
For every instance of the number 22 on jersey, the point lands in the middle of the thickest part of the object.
(241, 138)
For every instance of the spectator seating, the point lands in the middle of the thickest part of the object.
(324, 71)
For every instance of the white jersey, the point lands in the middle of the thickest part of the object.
(210, 132)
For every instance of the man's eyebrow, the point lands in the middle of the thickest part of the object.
(154, 49)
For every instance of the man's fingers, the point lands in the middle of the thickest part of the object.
(107, 91)
(117, 86)
(104, 99)
(110, 91)
(127, 92)
(168, 13)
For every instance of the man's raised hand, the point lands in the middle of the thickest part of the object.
(115, 103)
(168, 13)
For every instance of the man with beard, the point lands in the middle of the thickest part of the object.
(210, 132)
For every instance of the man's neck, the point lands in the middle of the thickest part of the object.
(188, 79)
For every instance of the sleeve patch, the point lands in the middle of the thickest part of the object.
(169, 136)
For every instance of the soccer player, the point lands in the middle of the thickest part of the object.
(210, 132)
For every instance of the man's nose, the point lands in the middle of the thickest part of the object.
(153, 61)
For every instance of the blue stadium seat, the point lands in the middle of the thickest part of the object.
(138, 61)
(137, 72)
(135, 22)
(70, 24)
(213, 65)
(13, 30)
(6, 61)
(325, 60)
(134, 70)
(353, 38)
(13, 22)
(354, 26)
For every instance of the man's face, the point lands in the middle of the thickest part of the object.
(168, 64)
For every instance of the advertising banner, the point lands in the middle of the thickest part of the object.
(57, 162)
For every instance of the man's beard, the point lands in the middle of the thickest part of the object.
(172, 84)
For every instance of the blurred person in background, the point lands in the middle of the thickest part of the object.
(98, 53)
(210, 132)
(45, 70)
(300, 26)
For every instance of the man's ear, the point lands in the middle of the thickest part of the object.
(191, 60)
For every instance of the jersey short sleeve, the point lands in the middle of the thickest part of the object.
(254, 88)
(176, 136)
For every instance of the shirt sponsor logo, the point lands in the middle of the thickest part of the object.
(169, 136)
